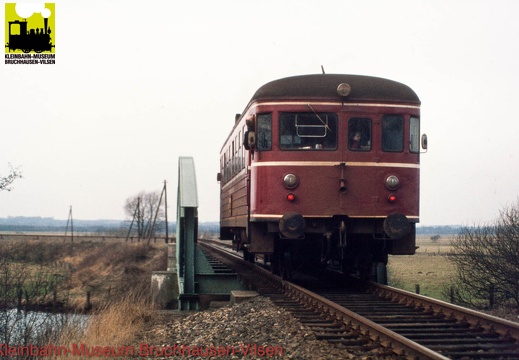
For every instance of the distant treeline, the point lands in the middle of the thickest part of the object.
(439, 230)
(41, 224)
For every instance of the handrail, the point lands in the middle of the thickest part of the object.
(187, 231)
(187, 191)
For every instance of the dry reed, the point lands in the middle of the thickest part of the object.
(111, 329)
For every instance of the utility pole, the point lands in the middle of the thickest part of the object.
(71, 221)
(157, 213)
(166, 210)
(139, 230)
(136, 212)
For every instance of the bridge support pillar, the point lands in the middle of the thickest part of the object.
(164, 284)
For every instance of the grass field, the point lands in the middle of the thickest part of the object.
(430, 268)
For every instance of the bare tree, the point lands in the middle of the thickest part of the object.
(5, 182)
(142, 208)
(487, 262)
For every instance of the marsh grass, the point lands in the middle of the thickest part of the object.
(106, 270)
(113, 327)
(118, 322)
(117, 275)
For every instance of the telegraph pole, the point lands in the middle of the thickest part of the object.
(139, 219)
(166, 210)
(163, 193)
(71, 221)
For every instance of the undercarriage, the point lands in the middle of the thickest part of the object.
(359, 249)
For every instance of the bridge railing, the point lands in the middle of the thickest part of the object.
(187, 228)
(191, 281)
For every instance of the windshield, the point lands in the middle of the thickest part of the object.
(393, 133)
(308, 131)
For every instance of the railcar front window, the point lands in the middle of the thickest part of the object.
(308, 131)
(392, 133)
(264, 132)
(414, 135)
(359, 134)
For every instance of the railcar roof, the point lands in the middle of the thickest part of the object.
(324, 86)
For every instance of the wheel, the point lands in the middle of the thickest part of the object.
(286, 266)
(248, 256)
(274, 265)
(348, 265)
(380, 273)
(365, 269)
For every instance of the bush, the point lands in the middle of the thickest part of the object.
(435, 237)
(487, 263)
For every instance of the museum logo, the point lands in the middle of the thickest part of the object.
(30, 33)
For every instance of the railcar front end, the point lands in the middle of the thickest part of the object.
(322, 171)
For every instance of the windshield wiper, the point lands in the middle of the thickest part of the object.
(316, 114)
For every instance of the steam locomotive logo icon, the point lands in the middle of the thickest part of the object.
(29, 27)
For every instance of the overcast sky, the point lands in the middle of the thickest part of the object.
(138, 84)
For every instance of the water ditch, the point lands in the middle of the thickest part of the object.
(23, 329)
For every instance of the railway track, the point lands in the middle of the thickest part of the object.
(383, 321)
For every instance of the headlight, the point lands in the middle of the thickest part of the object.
(290, 181)
(392, 182)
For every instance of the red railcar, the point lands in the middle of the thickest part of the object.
(323, 171)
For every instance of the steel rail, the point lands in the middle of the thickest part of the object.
(508, 331)
(387, 338)
(506, 328)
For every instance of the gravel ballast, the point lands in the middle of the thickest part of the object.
(253, 329)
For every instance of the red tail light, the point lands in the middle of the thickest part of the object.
(391, 198)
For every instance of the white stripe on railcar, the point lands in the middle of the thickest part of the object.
(334, 163)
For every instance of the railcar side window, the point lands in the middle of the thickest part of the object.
(226, 167)
(359, 134)
(414, 135)
(242, 134)
(233, 157)
(264, 132)
(308, 131)
(393, 133)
